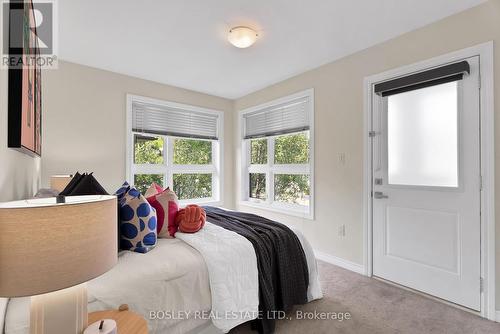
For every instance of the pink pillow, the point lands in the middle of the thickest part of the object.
(166, 205)
(153, 190)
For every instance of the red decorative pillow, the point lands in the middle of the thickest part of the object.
(166, 205)
(191, 219)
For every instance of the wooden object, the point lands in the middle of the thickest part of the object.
(123, 307)
(127, 322)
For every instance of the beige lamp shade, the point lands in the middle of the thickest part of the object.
(46, 246)
(59, 182)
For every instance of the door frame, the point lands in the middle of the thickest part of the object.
(487, 137)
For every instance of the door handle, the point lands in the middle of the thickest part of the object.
(379, 195)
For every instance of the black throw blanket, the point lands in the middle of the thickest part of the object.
(281, 262)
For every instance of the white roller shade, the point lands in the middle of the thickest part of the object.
(173, 121)
(288, 117)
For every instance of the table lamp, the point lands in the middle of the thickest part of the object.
(48, 250)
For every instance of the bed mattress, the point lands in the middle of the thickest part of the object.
(172, 276)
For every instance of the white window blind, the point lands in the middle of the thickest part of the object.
(172, 121)
(288, 117)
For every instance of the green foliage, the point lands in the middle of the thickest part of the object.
(258, 185)
(192, 152)
(258, 151)
(143, 181)
(188, 186)
(288, 149)
(292, 149)
(148, 150)
(292, 188)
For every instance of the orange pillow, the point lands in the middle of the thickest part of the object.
(191, 219)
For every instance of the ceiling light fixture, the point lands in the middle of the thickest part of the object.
(242, 37)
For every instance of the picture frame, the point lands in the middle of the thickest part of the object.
(24, 82)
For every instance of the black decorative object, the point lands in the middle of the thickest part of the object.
(432, 77)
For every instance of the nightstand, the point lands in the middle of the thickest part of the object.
(127, 322)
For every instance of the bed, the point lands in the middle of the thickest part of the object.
(183, 285)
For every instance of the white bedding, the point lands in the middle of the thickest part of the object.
(232, 268)
(314, 288)
(175, 276)
(233, 274)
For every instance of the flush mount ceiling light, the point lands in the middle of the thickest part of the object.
(242, 37)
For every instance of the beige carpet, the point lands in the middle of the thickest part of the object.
(377, 307)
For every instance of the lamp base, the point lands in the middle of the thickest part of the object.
(59, 312)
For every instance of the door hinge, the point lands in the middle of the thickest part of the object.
(481, 284)
(479, 81)
(372, 134)
(480, 183)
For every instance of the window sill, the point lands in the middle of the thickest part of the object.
(200, 201)
(285, 210)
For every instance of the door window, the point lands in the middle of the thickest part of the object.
(422, 137)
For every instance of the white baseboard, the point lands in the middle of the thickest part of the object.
(337, 261)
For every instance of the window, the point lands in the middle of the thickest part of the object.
(277, 155)
(176, 146)
(422, 128)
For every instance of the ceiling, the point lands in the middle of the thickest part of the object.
(184, 42)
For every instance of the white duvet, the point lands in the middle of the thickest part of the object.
(208, 276)
(233, 274)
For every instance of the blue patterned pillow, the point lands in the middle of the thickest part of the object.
(137, 221)
(120, 199)
(120, 193)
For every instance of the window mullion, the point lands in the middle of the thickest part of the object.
(216, 166)
(292, 169)
(215, 189)
(147, 169)
(270, 173)
(245, 182)
(170, 161)
(193, 169)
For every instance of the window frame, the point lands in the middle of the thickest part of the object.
(271, 169)
(168, 168)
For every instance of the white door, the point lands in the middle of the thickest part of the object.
(426, 189)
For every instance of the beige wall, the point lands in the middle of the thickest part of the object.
(339, 122)
(84, 122)
(19, 173)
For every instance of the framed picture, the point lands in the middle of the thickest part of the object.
(25, 81)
